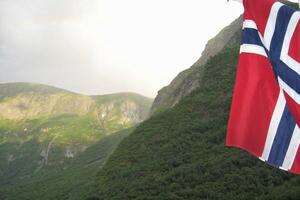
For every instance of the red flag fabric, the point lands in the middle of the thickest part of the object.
(265, 111)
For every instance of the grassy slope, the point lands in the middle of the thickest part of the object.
(180, 153)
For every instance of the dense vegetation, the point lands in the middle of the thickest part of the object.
(70, 182)
(180, 153)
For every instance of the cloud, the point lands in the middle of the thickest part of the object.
(104, 46)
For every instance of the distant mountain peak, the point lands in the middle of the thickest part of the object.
(31, 100)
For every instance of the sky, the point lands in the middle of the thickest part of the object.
(106, 46)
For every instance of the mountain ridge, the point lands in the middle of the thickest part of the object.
(188, 80)
(27, 100)
(19, 87)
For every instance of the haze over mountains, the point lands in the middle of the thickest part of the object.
(56, 144)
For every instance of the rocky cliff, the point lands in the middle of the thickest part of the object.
(187, 81)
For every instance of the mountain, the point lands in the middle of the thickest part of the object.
(28, 101)
(188, 81)
(179, 153)
(45, 132)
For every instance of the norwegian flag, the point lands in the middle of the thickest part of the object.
(265, 111)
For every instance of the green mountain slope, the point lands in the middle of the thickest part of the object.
(180, 153)
(44, 130)
(70, 182)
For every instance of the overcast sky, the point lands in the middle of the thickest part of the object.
(106, 46)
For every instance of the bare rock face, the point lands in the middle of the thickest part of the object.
(188, 80)
(216, 44)
(131, 112)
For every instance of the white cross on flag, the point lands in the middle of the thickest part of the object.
(265, 112)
